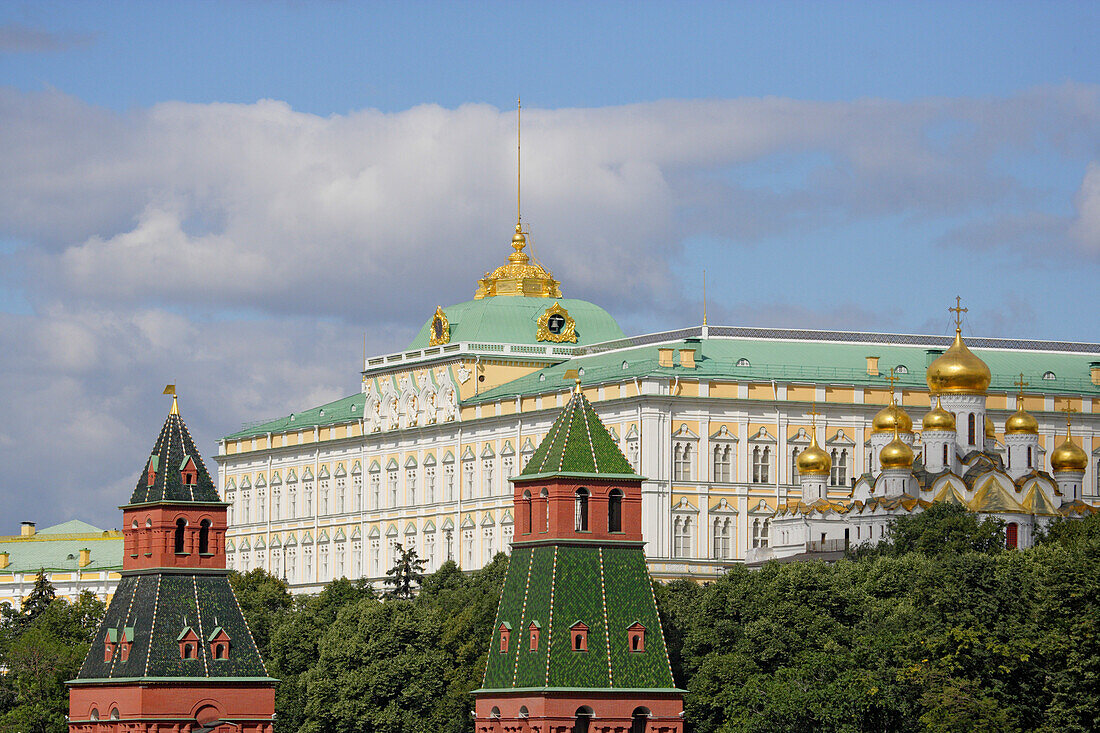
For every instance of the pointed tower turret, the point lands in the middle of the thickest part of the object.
(577, 637)
(174, 644)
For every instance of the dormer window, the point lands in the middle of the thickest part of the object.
(505, 636)
(189, 643)
(151, 475)
(635, 637)
(534, 630)
(219, 644)
(578, 635)
(189, 472)
(108, 650)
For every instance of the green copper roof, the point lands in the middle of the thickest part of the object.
(344, 410)
(805, 361)
(505, 319)
(606, 588)
(158, 607)
(73, 526)
(29, 555)
(578, 443)
(173, 447)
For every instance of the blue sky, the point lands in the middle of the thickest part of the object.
(227, 195)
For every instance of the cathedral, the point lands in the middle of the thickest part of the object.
(961, 462)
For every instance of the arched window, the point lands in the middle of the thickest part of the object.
(638, 720)
(188, 651)
(1049, 375)
(94, 715)
(681, 536)
(722, 537)
(204, 537)
(615, 511)
(761, 463)
(181, 524)
(1011, 532)
(945, 454)
(526, 529)
(970, 424)
(219, 651)
(681, 462)
(1029, 457)
(114, 714)
(495, 712)
(583, 718)
(523, 708)
(901, 369)
(722, 463)
(742, 362)
(794, 466)
(581, 510)
(544, 498)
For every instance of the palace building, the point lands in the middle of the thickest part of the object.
(714, 417)
(174, 652)
(74, 556)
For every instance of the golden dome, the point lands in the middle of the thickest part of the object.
(1068, 456)
(938, 419)
(958, 371)
(990, 429)
(813, 461)
(1021, 423)
(890, 417)
(520, 276)
(896, 454)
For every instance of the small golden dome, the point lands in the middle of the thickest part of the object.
(890, 417)
(1021, 423)
(938, 419)
(896, 454)
(990, 429)
(813, 461)
(520, 276)
(1068, 456)
(958, 371)
(518, 240)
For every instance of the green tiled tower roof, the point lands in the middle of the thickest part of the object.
(173, 447)
(159, 607)
(578, 444)
(555, 586)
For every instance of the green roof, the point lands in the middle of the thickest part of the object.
(346, 409)
(157, 606)
(806, 361)
(578, 444)
(73, 526)
(505, 319)
(29, 555)
(606, 588)
(173, 447)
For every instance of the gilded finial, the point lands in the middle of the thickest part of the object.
(171, 389)
(958, 310)
(892, 379)
(1020, 384)
(1069, 410)
(813, 413)
(704, 297)
(519, 108)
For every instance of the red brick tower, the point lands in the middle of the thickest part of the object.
(577, 645)
(174, 653)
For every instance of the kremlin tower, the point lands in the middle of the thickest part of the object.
(577, 644)
(174, 653)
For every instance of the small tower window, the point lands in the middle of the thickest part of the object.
(581, 510)
(526, 528)
(219, 651)
(970, 425)
(505, 636)
(114, 714)
(635, 636)
(108, 651)
(743, 362)
(578, 632)
(1029, 457)
(544, 498)
(1049, 375)
(204, 537)
(901, 369)
(615, 511)
(533, 629)
(94, 715)
(181, 525)
(188, 651)
(945, 454)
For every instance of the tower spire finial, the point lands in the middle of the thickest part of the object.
(704, 296)
(519, 109)
(171, 389)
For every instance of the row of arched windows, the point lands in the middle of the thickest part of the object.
(584, 715)
(580, 510)
(204, 536)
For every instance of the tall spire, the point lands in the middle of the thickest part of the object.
(519, 108)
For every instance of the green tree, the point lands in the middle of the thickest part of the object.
(39, 599)
(264, 599)
(942, 529)
(406, 574)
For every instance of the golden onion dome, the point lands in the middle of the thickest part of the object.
(990, 429)
(958, 371)
(938, 419)
(1068, 456)
(891, 417)
(814, 461)
(896, 454)
(1021, 423)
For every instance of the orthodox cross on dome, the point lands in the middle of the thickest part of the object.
(1069, 410)
(892, 379)
(1020, 384)
(958, 310)
(813, 413)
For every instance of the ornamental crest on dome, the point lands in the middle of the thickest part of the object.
(556, 325)
(440, 329)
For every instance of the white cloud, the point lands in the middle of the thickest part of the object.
(239, 250)
(1086, 228)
